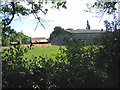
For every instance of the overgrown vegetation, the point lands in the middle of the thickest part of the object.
(56, 32)
(9, 10)
(12, 36)
(77, 66)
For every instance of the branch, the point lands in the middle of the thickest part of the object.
(36, 26)
(36, 17)
(103, 14)
(20, 18)
(39, 20)
(13, 13)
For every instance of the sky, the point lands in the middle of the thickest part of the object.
(73, 17)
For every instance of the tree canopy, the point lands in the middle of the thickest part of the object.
(69, 29)
(102, 7)
(56, 32)
(88, 25)
(77, 66)
(12, 36)
(11, 9)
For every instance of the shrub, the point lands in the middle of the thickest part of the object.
(108, 57)
(13, 67)
(80, 72)
(77, 66)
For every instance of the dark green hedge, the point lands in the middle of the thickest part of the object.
(77, 66)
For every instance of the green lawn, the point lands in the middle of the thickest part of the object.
(46, 51)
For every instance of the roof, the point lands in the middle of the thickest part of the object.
(14, 42)
(38, 39)
(84, 31)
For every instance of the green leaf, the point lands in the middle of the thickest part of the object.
(92, 63)
(22, 73)
(95, 3)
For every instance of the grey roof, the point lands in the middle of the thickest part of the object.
(84, 31)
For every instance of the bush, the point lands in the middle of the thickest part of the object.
(19, 72)
(80, 72)
(13, 67)
(108, 57)
(77, 66)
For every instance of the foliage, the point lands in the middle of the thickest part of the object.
(110, 26)
(77, 66)
(12, 36)
(42, 72)
(5, 40)
(69, 29)
(13, 69)
(94, 66)
(107, 25)
(103, 7)
(10, 9)
(16, 71)
(107, 60)
(57, 31)
(109, 57)
(88, 26)
(80, 68)
(19, 72)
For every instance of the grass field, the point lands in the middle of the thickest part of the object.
(40, 49)
(45, 51)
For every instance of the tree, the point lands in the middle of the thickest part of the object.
(11, 9)
(102, 7)
(56, 32)
(88, 26)
(69, 29)
(107, 25)
(107, 60)
(12, 36)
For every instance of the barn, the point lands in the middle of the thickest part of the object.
(87, 35)
(38, 40)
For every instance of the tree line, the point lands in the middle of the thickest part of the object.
(12, 36)
(77, 66)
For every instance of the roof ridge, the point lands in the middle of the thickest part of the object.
(84, 31)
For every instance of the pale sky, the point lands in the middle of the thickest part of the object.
(73, 17)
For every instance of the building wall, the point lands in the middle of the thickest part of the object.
(88, 37)
(85, 36)
(60, 39)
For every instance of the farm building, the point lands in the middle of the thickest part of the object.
(87, 35)
(39, 40)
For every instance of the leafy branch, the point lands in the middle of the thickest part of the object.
(10, 9)
(13, 13)
(100, 8)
